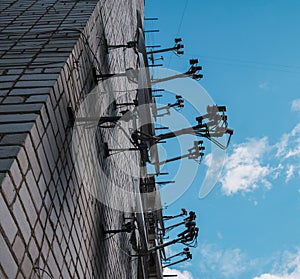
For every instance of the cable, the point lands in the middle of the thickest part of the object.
(37, 268)
(179, 28)
(128, 255)
(109, 237)
(248, 63)
(182, 17)
(126, 134)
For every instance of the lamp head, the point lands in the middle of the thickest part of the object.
(194, 61)
(189, 255)
(197, 76)
(229, 131)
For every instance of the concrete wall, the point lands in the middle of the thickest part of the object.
(50, 223)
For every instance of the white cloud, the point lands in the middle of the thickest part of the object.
(264, 85)
(289, 268)
(230, 263)
(282, 145)
(180, 274)
(219, 235)
(244, 169)
(289, 172)
(288, 152)
(233, 263)
(255, 163)
(296, 105)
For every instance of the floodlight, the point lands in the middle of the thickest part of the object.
(193, 61)
(198, 76)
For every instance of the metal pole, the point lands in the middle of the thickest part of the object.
(151, 18)
(161, 128)
(168, 78)
(165, 182)
(163, 50)
(174, 159)
(153, 46)
(151, 31)
(178, 254)
(124, 149)
(117, 46)
(190, 130)
(158, 90)
(174, 226)
(164, 245)
(156, 65)
(106, 76)
(100, 120)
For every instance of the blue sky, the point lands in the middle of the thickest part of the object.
(250, 53)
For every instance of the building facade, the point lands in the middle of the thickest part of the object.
(52, 225)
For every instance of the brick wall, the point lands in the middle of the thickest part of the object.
(50, 223)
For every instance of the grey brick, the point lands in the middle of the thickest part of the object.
(23, 161)
(14, 139)
(13, 100)
(27, 266)
(53, 265)
(6, 85)
(18, 118)
(52, 141)
(8, 263)
(16, 173)
(31, 155)
(43, 162)
(13, 128)
(34, 187)
(29, 91)
(47, 149)
(19, 248)
(39, 234)
(44, 116)
(20, 108)
(22, 221)
(8, 188)
(37, 99)
(33, 250)
(53, 70)
(35, 137)
(7, 222)
(40, 127)
(34, 84)
(39, 77)
(28, 204)
(45, 247)
(3, 92)
(9, 151)
(8, 78)
(5, 164)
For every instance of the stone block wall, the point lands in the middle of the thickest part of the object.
(51, 225)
